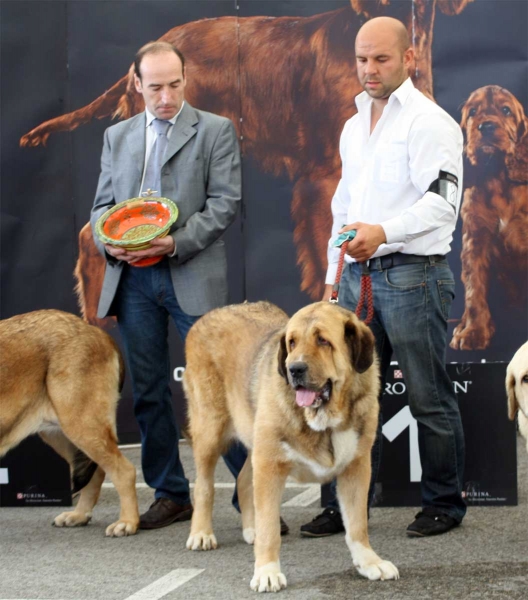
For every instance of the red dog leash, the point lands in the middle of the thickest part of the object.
(365, 293)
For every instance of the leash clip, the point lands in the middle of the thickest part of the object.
(335, 289)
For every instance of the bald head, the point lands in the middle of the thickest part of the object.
(390, 30)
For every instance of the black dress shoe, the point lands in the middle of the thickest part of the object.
(329, 522)
(430, 521)
(163, 512)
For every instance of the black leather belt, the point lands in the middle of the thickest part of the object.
(398, 258)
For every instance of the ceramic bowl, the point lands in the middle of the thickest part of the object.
(134, 223)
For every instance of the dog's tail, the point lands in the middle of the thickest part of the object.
(83, 469)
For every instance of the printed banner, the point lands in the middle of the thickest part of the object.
(284, 72)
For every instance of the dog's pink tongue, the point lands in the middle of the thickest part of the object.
(304, 397)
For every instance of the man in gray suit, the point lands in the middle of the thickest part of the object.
(200, 172)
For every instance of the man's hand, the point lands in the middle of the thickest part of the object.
(367, 241)
(158, 247)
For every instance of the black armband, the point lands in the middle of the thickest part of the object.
(446, 186)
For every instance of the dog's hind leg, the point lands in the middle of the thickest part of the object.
(88, 497)
(245, 499)
(93, 432)
(106, 454)
(123, 475)
(82, 512)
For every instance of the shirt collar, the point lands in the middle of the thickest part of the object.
(364, 101)
(151, 117)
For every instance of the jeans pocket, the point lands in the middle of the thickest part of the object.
(406, 277)
(446, 291)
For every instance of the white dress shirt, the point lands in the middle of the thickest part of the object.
(386, 175)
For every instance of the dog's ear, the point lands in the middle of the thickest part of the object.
(464, 116)
(517, 162)
(513, 406)
(522, 130)
(361, 7)
(361, 344)
(452, 7)
(281, 358)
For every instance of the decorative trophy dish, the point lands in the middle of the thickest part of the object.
(134, 223)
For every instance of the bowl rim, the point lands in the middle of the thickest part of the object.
(173, 209)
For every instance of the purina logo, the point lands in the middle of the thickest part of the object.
(472, 491)
(399, 388)
(30, 496)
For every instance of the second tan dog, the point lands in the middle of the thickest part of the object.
(60, 378)
(302, 395)
(517, 389)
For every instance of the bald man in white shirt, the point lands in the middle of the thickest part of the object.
(400, 190)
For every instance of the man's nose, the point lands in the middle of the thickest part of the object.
(370, 67)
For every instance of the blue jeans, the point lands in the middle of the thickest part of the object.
(144, 301)
(411, 308)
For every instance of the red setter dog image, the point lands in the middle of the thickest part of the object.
(288, 84)
(494, 209)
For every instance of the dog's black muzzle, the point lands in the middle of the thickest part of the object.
(298, 371)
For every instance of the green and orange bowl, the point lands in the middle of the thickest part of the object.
(134, 223)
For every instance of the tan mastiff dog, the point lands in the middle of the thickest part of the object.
(302, 395)
(60, 378)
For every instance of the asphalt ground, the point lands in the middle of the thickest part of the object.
(487, 557)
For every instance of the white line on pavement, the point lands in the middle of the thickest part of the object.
(312, 494)
(229, 486)
(166, 584)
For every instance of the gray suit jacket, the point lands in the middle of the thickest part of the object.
(201, 174)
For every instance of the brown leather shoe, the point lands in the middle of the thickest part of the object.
(163, 512)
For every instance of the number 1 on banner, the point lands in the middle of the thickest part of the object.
(397, 425)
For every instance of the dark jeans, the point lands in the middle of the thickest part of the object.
(412, 304)
(144, 302)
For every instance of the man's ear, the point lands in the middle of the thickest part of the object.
(360, 341)
(137, 84)
(281, 358)
(408, 58)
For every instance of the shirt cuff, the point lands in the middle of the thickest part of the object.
(331, 273)
(394, 230)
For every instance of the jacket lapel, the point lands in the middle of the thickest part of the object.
(136, 141)
(184, 130)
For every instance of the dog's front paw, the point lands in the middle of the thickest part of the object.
(381, 570)
(473, 334)
(268, 578)
(371, 566)
(36, 137)
(202, 541)
(72, 519)
(121, 529)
